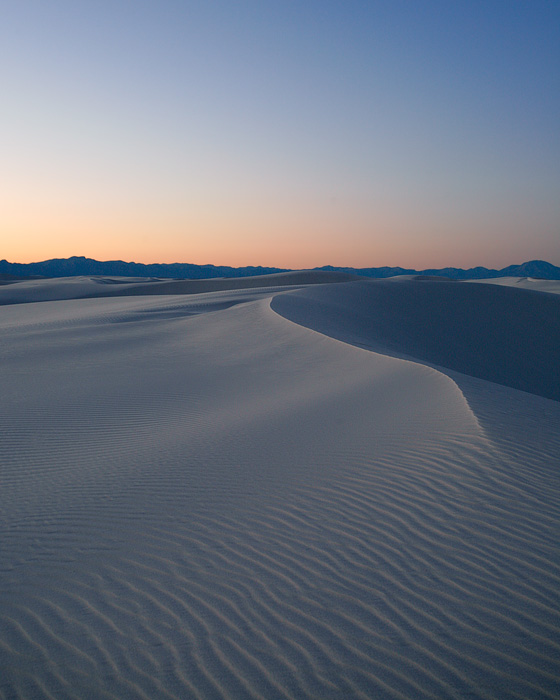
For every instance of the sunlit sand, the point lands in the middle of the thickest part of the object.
(279, 487)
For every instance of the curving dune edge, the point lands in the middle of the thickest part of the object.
(335, 491)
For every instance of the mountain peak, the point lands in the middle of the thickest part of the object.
(80, 265)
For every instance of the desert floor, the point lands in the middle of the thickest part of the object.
(298, 487)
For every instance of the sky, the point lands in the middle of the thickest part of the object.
(287, 133)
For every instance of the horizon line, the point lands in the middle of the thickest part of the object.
(274, 267)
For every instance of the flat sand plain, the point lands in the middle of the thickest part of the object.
(306, 490)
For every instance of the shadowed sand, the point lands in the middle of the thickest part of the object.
(204, 499)
(506, 335)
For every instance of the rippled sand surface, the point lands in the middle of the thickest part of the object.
(327, 492)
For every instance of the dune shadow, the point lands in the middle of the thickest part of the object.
(500, 334)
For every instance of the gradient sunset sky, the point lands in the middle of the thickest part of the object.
(420, 133)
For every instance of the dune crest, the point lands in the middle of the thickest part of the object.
(204, 499)
(497, 333)
(60, 288)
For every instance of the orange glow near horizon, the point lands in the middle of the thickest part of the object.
(285, 246)
(284, 232)
(291, 135)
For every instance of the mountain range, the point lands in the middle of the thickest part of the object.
(76, 266)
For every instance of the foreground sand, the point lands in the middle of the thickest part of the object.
(249, 493)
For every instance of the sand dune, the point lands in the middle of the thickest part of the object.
(202, 498)
(536, 285)
(58, 288)
(498, 333)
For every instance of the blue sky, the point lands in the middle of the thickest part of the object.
(294, 134)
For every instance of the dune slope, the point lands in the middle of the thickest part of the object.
(58, 288)
(536, 285)
(203, 499)
(498, 333)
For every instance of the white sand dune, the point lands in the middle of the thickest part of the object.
(502, 334)
(204, 497)
(58, 288)
(536, 285)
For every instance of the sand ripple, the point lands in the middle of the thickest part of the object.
(228, 505)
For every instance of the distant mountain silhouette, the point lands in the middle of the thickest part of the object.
(535, 268)
(77, 266)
